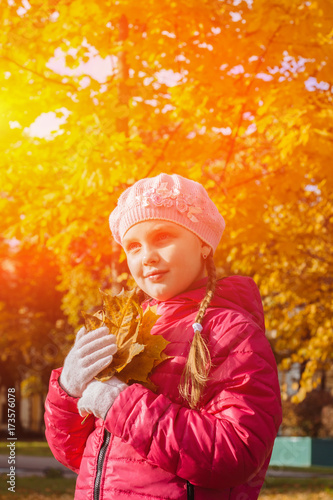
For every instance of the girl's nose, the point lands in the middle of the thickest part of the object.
(149, 257)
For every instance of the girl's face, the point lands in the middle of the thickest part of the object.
(164, 258)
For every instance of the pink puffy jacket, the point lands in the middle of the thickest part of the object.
(150, 444)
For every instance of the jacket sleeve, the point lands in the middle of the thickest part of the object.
(65, 433)
(228, 440)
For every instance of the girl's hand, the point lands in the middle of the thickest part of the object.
(98, 397)
(92, 351)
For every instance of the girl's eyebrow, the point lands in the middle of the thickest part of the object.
(160, 227)
(127, 241)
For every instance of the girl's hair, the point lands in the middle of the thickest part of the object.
(198, 364)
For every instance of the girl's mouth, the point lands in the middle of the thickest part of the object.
(156, 276)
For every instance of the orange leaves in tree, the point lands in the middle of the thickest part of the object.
(138, 351)
(240, 105)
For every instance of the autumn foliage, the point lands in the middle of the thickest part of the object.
(138, 350)
(234, 94)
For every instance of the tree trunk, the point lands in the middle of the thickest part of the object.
(122, 126)
(123, 91)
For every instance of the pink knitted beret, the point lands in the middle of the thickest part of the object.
(168, 197)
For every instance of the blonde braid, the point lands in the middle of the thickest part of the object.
(195, 374)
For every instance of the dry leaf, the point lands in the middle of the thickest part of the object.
(138, 351)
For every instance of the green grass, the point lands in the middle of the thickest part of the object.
(285, 485)
(44, 485)
(33, 448)
(308, 486)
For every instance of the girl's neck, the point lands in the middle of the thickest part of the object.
(197, 284)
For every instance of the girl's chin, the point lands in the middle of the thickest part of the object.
(162, 296)
(159, 292)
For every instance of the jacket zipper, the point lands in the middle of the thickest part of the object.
(190, 491)
(100, 464)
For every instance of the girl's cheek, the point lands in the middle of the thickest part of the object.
(133, 264)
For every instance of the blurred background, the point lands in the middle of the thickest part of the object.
(235, 94)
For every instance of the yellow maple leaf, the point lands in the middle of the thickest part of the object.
(138, 351)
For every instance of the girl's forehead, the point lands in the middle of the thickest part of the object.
(150, 226)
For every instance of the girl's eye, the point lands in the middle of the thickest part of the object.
(162, 236)
(132, 246)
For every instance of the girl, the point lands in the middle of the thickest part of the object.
(208, 430)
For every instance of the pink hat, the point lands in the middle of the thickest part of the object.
(168, 197)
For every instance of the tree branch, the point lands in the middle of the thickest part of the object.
(316, 257)
(166, 144)
(256, 178)
(59, 82)
(240, 120)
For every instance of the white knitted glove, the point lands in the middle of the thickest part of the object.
(92, 351)
(98, 397)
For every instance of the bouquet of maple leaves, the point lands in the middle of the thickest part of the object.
(138, 351)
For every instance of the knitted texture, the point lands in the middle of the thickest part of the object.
(172, 198)
(92, 352)
(98, 397)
